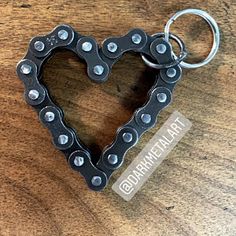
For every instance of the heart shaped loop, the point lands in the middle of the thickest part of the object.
(99, 64)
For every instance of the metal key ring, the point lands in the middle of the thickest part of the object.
(214, 28)
(183, 53)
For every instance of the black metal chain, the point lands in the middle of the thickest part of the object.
(99, 63)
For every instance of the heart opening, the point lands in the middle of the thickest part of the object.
(95, 111)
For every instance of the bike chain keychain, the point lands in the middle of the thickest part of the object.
(156, 52)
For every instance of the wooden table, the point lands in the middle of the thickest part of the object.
(193, 192)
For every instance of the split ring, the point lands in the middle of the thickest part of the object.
(178, 60)
(214, 28)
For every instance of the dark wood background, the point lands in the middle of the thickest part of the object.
(193, 192)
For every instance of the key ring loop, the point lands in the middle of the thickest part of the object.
(183, 53)
(215, 32)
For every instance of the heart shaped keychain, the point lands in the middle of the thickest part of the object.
(156, 52)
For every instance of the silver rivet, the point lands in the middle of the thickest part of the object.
(63, 34)
(161, 97)
(33, 94)
(25, 69)
(78, 161)
(98, 69)
(171, 72)
(112, 159)
(49, 116)
(112, 47)
(161, 48)
(39, 46)
(127, 137)
(136, 38)
(96, 180)
(87, 46)
(146, 118)
(63, 139)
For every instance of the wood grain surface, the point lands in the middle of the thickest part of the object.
(193, 192)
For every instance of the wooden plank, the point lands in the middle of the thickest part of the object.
(193, 192)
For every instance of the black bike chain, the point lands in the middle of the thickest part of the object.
(99, 63)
